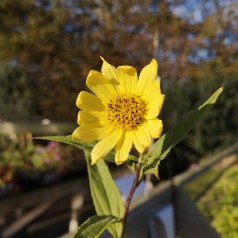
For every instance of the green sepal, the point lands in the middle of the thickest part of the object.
(94, 226)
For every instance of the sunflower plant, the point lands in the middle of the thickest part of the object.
(122, 113)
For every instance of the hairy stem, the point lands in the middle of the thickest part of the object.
(128, 200)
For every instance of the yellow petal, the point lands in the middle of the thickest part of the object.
(85, 117)
(145, 136)
(151, 91)
(89, 102)
(105, 145)
(127, 78)
(141, 139)
(123, 147)
(100, 85)
(154, 127)
(109, 71)
(147, 76)
(136, 141)
(92, 132)
(154, 107)
(84, 133)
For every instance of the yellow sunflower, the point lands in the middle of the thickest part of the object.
(122, 111)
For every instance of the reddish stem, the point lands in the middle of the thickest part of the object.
(135, 184)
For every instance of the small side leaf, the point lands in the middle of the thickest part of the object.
(164, 145)
(105, 194)
(94, 226)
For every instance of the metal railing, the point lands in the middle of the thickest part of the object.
(28, 210)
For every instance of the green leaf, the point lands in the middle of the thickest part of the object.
(105, 194)
(68, 140)
(88, 146)
(164, 145)
(94, 226)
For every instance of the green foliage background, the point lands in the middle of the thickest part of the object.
(219, 205)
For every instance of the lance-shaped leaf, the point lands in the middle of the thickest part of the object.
(105, 194)
(68, 140)
(87, 146)
(94, 226)
(164, 145)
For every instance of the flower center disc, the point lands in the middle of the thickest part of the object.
(126, 111)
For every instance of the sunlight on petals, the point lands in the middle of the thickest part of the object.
(122, 112)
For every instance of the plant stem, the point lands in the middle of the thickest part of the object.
(128, 200)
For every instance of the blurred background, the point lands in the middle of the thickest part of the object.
(48, 47)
